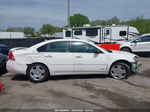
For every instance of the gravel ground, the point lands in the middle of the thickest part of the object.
(78, 92)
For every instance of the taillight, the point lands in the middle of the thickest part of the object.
(11, 56)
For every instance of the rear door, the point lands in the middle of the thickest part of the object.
(88, 58)
(58, 57)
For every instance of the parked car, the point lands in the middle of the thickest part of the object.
(70, 56)
(139, 45)
(4, 49)
(3, 60)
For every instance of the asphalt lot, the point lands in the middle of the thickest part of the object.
(78, 92)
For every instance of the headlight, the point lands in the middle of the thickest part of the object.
(136, 58)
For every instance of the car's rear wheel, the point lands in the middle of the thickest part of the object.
(120, 71)
(125, 49)
(37, 73)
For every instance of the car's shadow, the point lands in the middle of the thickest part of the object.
(68, 77)
(144, 56)
(3, 72)
(20, 77)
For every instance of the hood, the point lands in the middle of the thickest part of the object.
(123, 53)
(127, 42)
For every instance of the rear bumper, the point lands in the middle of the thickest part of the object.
(14, 67)
(136, 66)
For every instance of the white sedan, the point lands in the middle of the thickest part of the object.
(70, 57)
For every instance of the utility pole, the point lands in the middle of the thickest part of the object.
(68, 13)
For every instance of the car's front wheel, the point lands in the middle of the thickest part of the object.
(37, 73)
(120, 71)
(125, 49)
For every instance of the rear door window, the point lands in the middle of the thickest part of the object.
(55, 47)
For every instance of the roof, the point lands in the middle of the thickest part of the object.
(57, 40)
(146, 34)
(98, 27)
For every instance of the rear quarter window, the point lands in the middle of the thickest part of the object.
(42, 48)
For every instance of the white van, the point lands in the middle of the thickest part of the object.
(101, 34)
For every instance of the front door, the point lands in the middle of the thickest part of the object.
(88, 58)
(141, 44)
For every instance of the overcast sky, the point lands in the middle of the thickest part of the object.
(35, 13)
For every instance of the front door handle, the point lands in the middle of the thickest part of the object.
(79, 57)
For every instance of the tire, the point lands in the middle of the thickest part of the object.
(2, 71)
(37, 73)
(125, 49)
(120, 71)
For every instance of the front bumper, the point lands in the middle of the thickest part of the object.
(135, 66)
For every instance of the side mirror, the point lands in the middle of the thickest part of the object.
(97, 52)
(134, 42)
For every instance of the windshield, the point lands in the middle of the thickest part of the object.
(132, 39)
(110, 51)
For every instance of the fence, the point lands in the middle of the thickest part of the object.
(27, 42)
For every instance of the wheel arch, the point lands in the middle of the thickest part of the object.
(38, 63)
(126, 47)
(123, 61)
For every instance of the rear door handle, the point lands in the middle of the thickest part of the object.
(79, 57)
(48, 56)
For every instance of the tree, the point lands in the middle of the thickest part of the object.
(97, 22)
(143, 25)
(56, 29)
(78, 20)
(28, 30)
(47, 29)
(36, 34)
(113, 20)
(14, 29)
